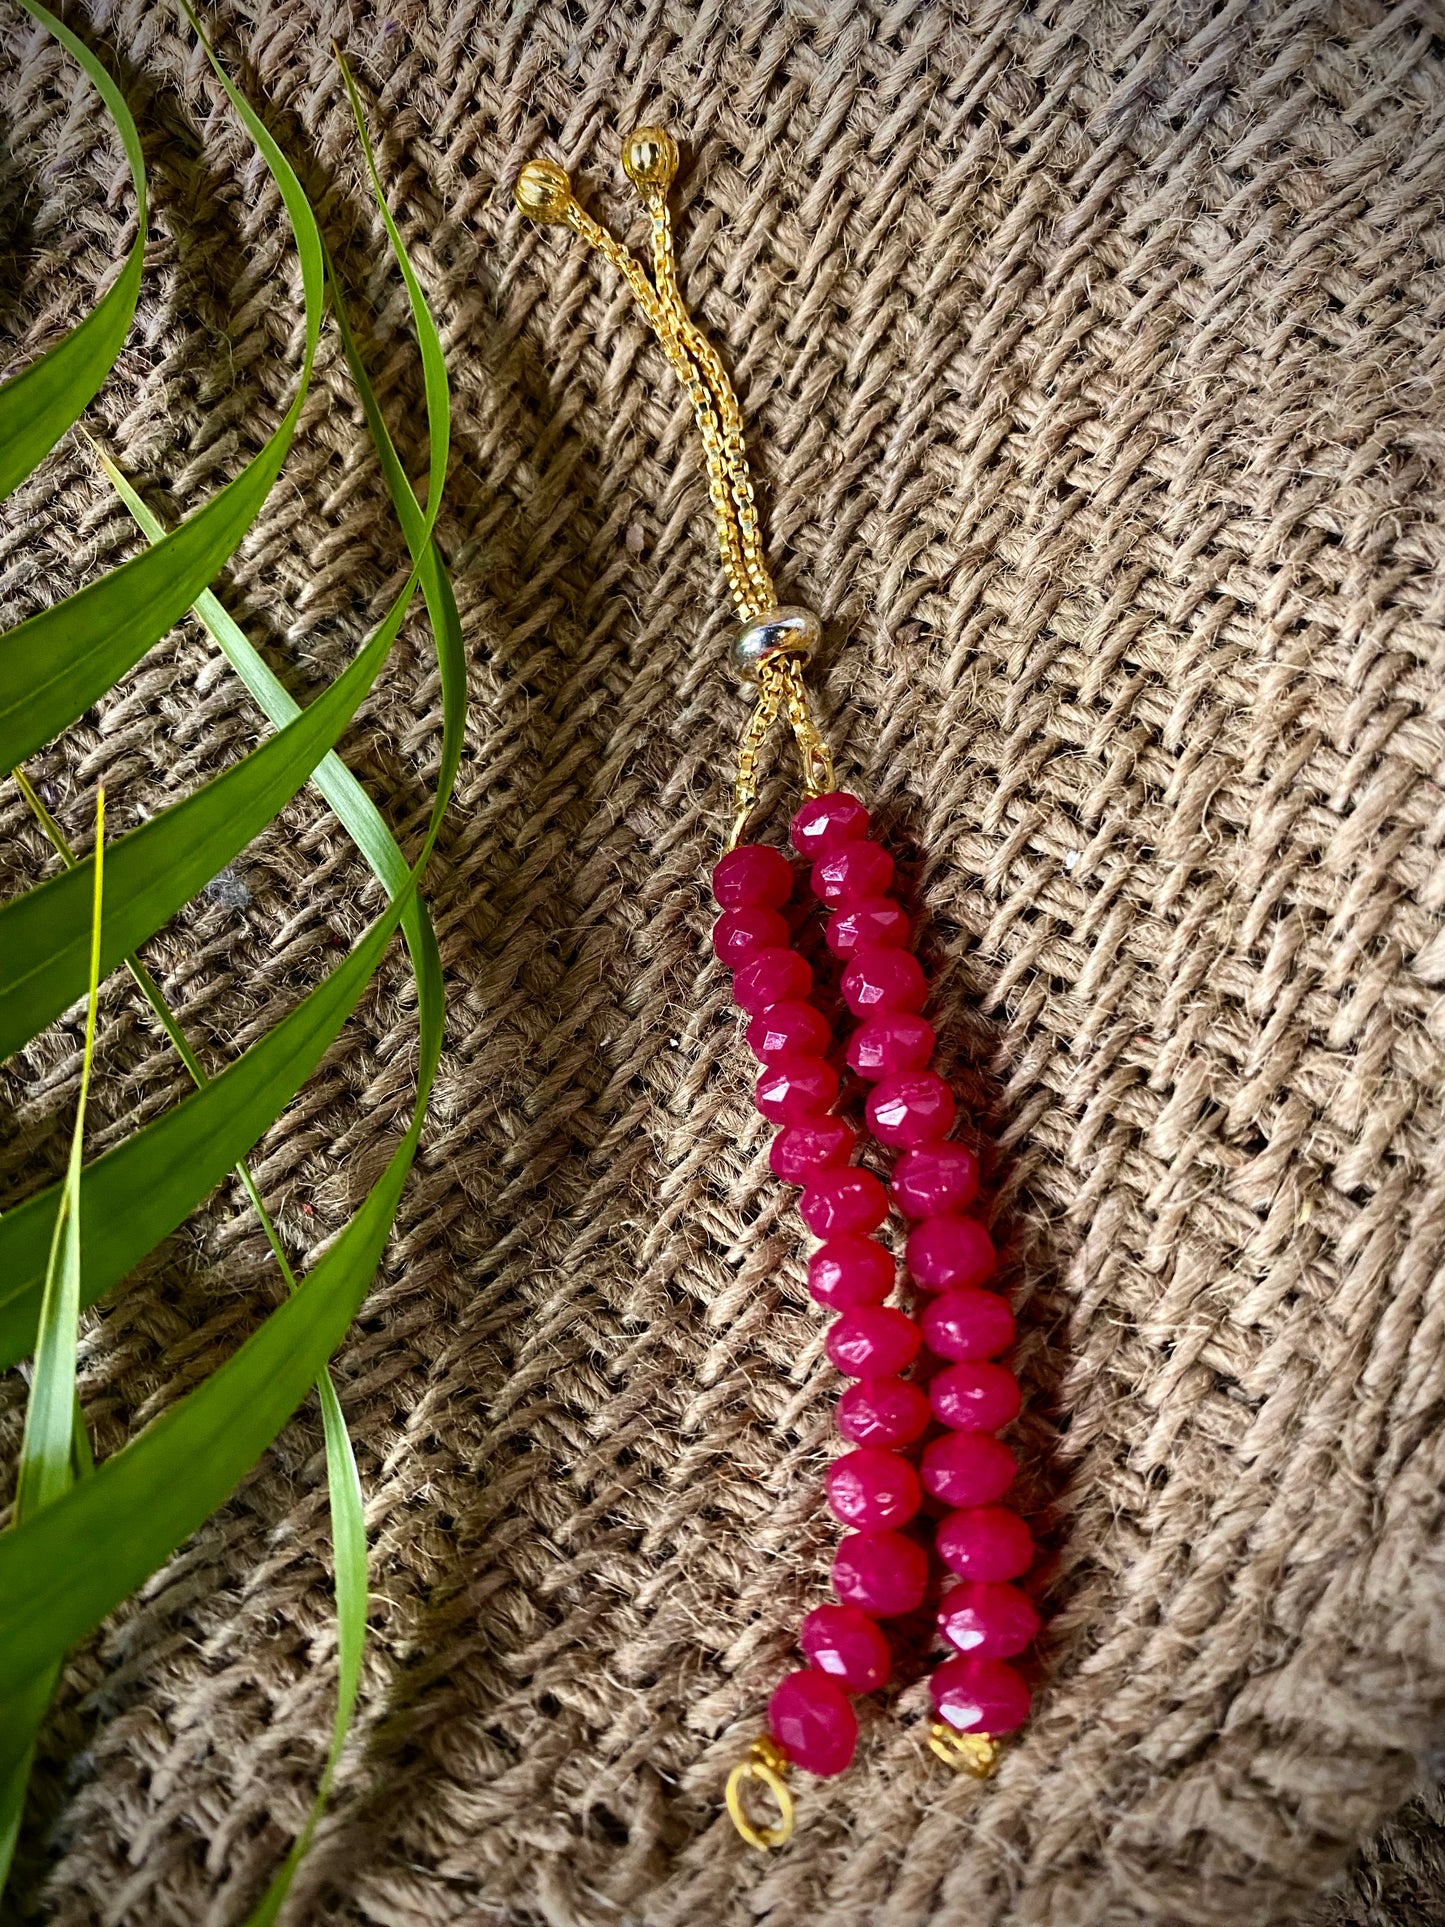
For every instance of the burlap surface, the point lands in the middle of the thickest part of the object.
(1092, 354)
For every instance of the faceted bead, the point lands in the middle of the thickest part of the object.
(803, 1150)
(991, 1621)
(885, 1411)
(738, 933)
(934, 1178)
(877, 923)
(752, 873)
(850, 1270)
(855, 871)
(848, 1200)
(979, 1696)
(967, 1468)
(826, 823)
(977, 1397)
(795, 1088)
(884, 1573)
(907, 1108)
(870, 1488)
(949, 1251)
(810, 1718)
(789, 1029)
(772, 976)
(877, 980)
(968, 1324)
(896, 1041)
(985, 1542)
(847, 1645)
(873, 1341)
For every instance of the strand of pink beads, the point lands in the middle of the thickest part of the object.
(910, 1108)
(879, 1570)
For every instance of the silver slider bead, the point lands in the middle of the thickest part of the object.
(782, 632)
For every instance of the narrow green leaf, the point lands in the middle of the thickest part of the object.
(42, 401)
(60, 661)
(21, 1714)
(143, 1187)
(170, 1477)
(151, 991)
(362, 819)
(45, 1450)
(54, 1439)
(348, 1536)
(347, 1520)
(163, 863)
(64, 1569)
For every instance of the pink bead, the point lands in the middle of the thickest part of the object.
(897, 1041)
(934, 1178)
(908, 1107)
(803, 1150)
(886, 1411)
(772, 976)
(968, 1324)
(848, 1200)
(856, 871)
(848, 1646)
(878, 980)
(810, 1718)
(871, 1488)
(795, 1088)
(885, 1573)
(976, 1397)
(791, 1029)
(826, 823)
(985, 1542)
(738, 933)
(947, 1252)
(993, 1622)
(752, 873)
(850, 1270)
(873, 1341)
(979, 1696)
(877, 923)
(967, 1468)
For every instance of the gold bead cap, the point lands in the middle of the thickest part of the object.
(544, 191)
(649, 157)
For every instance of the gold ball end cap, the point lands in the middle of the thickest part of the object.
(544, 191)
(649, 157)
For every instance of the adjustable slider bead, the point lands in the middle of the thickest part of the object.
(782, 632)
(544, 191)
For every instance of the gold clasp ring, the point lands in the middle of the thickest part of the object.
(766, 1762)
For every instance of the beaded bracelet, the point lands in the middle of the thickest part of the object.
(875, 1490)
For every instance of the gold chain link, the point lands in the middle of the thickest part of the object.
(727, 457)
(650, 157)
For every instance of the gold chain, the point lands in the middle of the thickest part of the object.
(729, 482)
(650, 158)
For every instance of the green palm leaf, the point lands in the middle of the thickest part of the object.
(61, 1570)
(40, 403)
(60, 661)
(53, 1421)
(162, 864)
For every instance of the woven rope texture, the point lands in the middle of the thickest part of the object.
(1092, 358)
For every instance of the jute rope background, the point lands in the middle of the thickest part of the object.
(1092, 357)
